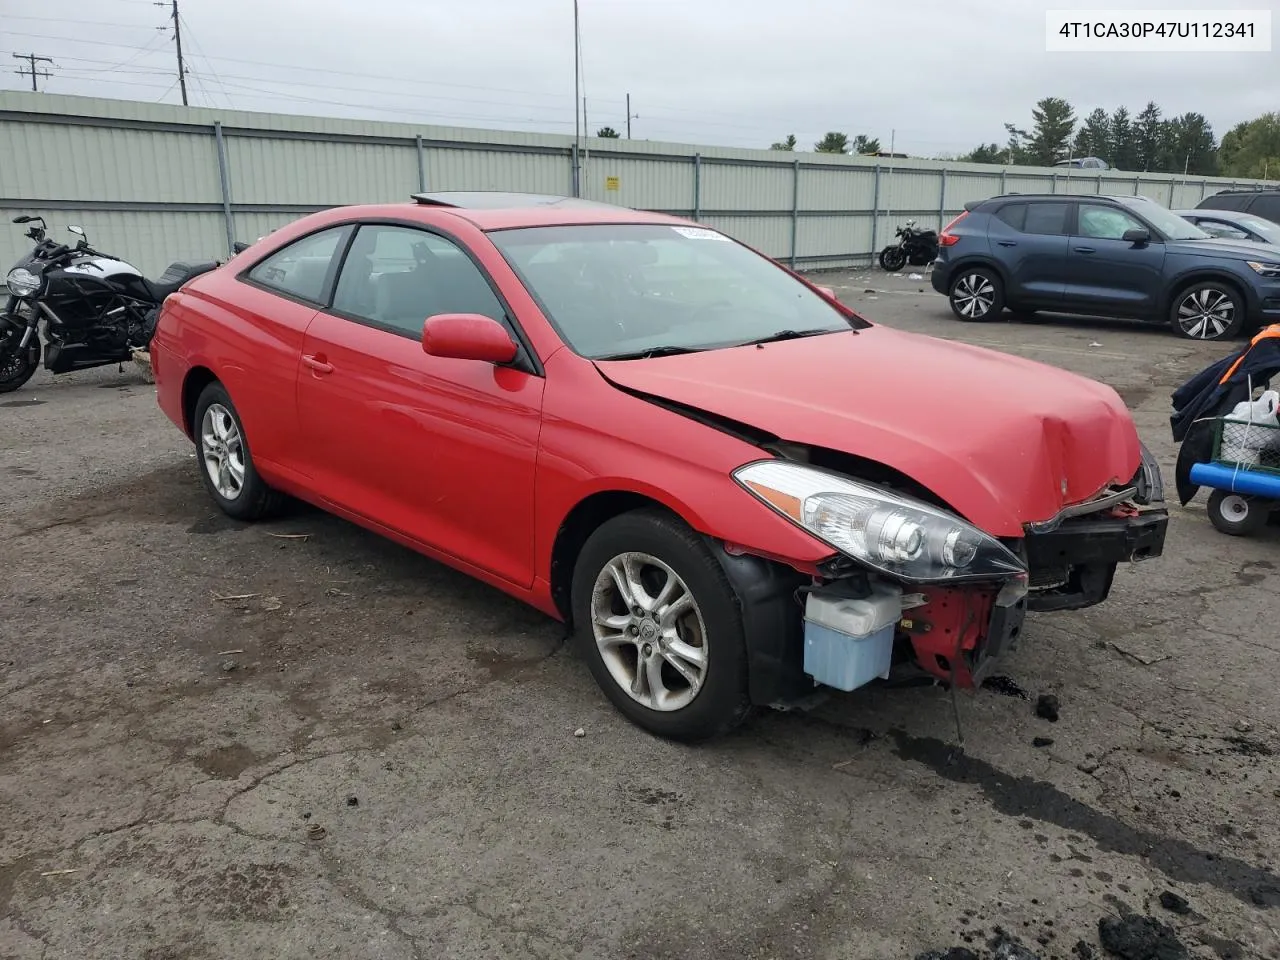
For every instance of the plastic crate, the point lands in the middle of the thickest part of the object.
(1255, 446)
(845, 662)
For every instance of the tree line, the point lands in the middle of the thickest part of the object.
(1147, 141)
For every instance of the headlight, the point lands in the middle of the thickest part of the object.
(22, 282)
(895, 534)
(1269, 270)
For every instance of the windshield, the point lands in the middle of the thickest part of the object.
(1168, 222)
(628, 290)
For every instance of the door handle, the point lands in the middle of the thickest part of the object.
(1007, 243)
(316, 364)
(1085, 250)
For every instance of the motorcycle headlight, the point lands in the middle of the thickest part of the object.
(895, 534)
(22, 282)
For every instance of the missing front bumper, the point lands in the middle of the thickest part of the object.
(1073, 565)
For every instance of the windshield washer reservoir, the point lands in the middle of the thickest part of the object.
(848, 640)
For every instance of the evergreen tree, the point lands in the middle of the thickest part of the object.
(1122, 149)
(1147, 135)
(1053, 123)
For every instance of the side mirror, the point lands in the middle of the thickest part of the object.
(1137, 235)
(78, 231)
(467, 336)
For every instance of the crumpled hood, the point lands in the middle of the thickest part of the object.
(1003, 440)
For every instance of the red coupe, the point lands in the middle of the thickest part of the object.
(734, 488)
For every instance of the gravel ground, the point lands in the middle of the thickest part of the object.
(220, 740)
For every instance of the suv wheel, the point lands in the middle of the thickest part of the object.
(1207, 311)
(976, 294)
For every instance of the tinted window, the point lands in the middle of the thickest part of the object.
(1105, 223)
(1050, 218)
(1225, 201)
(1267, 207)
(1216, 228)
(301, 268)
(1014, 214)
(397, 277)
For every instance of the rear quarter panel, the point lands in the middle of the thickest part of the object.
(251, 341)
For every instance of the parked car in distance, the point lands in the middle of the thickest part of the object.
(713, 470)
(1260, 203)
(1125, 257)
(1232, 225)
(1085, 163)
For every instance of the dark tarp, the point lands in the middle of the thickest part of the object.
(1212, 393)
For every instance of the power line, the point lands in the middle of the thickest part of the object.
(31, 70)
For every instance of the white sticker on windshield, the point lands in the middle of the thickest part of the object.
(700, 233)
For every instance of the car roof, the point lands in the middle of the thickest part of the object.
(498, 210)
(1216, 214)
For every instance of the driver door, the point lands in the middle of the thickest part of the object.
(439, 450)
(1109, 275)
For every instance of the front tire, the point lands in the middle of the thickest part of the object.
(1207, 311)
(1237, 515)
(976, 295)
(660, 627)
(18, 365)
(226, 465)
(893, 259)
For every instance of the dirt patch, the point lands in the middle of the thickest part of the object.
(227, 763)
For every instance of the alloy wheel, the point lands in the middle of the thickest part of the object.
(222, 448)
(1206, 313)
(974, 295)
(649, 631)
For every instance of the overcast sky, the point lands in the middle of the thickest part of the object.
(944, 74)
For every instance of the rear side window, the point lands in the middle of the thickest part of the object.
(1225, 201)
(1267, 206)
(1046, 218)
(301, 269)
(1014, 214)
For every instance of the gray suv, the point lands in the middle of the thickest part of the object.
(1104, 256)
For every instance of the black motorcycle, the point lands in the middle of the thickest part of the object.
(97, 309)
(915, 246)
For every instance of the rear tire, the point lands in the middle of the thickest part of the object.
(694, 661)
(976, 295)
(1207, 310)
(17, 366)
(893, 259)
(226, 465)
(1237, 515)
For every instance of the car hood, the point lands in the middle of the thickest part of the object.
(1232, 249)
(1004, 441)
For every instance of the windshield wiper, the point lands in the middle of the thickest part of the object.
(787, 335)
(668, 350)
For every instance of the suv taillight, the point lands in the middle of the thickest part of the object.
(947, 238)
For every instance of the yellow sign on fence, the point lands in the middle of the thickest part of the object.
(611, 183)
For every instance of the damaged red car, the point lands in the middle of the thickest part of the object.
(735, 489)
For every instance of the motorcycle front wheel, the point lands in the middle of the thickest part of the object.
(17, 364)
(893, 259)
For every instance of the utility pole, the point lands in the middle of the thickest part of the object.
(577, 118)
(34, 73)
(177, 39)
(630, 116)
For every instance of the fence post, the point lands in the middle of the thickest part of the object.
(795, 207)
(1099, 190)
(1055, 184)
(1170, 204)
(224, 178)
(1004, 179)
(422, 167)
(697, 186)
(1204, 189)
(875, 212)
(1137, 182)
(942, 199)
(575, 171)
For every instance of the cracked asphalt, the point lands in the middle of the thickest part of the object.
(299, 740)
